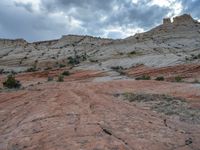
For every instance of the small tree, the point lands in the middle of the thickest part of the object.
(11, 82)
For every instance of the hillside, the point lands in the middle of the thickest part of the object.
(89, 93)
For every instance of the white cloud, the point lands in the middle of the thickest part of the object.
(124, 31)
(162, 3)
(35, 3)
(175, 6)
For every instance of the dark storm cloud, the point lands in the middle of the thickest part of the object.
(18, 23)
(107, 18)
(139, 13)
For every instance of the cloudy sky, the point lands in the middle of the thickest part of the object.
(36, 20)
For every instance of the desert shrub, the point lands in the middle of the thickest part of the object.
(48, 68)
(77, 58)
(196, 81)
(119, 69)
(32, 69)
(144, 77)
(1, 71)
(133, 53)
(93, 60)
(73, 60)
(66, 73)
(62, 65)
(60, 78)
(193, 57)
(50, 79)
(11, 82)
(178, 79)
(116, 68)
(161, 78)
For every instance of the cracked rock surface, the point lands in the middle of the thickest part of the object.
(86, 115)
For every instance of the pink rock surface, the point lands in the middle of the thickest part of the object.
(84, 115)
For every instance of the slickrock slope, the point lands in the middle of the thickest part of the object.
(80, 114)
(19, 55)
(100, 105)
(171, 43)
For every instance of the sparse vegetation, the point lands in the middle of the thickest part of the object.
(73, 60)
(161, 78)
(165, 104)
(11, 82)
(66, 73)
(62, 65)
(1, 71)
(50, 79)
(196, 81)
(193, 57)
(133, 53)
(48, 68)
(60, 78)
(32, 69)
(178, 79)
(94, 60)
(143, 77)
(118, 69)
(77, 58)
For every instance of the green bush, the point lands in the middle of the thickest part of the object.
(60, 78)
(48, 68)
(11, 82)
(77, 59)
(66, 73)
(144, 77)
(50, 79)
(133, 53)
(178, 79)
(32, 69)
(160, 78)
(62, 65)
(93, 60)
(73, 60)
(116, 68)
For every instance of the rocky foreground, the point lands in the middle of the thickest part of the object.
(81, 113)
(139, 93)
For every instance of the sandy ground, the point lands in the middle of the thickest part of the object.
(82, 115)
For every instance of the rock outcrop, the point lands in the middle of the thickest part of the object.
(174, 41)
(184, 19)
(179, 20)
